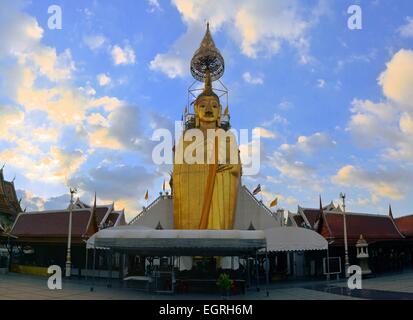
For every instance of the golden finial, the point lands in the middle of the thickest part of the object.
(226, 112)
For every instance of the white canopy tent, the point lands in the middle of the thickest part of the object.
(294, 239)
(277, 239)
(153, 241)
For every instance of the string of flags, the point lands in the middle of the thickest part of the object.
(258, 189)
(163, 189)
(274, 203)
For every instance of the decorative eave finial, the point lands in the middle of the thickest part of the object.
(390, 212)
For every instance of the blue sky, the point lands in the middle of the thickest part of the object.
(80, 104)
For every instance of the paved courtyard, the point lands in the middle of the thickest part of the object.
(396, 286)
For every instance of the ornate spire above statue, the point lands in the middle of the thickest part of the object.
(207, 57)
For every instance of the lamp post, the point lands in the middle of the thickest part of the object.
(69, 236)
(346, 263)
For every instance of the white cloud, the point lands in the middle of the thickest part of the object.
(154, 5)
(123, 56)
(248, 78)
(31, 202)
(10, 118)
(388, 124)
(94, 42)
(116, 182)
(406, 30)
(308, 144)
(264, 133)
(259, 27)
(276, 119)
(291, 160)
(103, 79)
(18, 31)
(391, 184)
(48, 63)
(397, 80)
(172, 65)
(321, 83)
(295, 169)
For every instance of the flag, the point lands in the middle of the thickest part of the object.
(257, 190)
(163, 186)
(186, 110)
(274, 203)
(226, 112)
(147, 195)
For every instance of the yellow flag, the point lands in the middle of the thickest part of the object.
(274, 203)
(147, 195)
(226, 112)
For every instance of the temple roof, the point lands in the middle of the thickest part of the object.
(44, 225)
(405, 225)
(374, 228)
(309, 216)
(9, 203)
(329, 223)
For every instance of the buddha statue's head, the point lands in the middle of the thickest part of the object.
(207, 106)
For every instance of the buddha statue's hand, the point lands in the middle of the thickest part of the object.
(233, 169)
(224, 167)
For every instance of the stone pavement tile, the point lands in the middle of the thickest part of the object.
(26, 287)
(26, 297)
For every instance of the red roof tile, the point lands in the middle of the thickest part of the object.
(55, 224)
(51, 224)
(312, 215)
(405, 225)
(298, 220)
(373, 227)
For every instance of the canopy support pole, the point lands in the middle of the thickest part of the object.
(257, 271)
(248, 272)
(86, 264)
(93, 269)
(267, 270)
(110, 261)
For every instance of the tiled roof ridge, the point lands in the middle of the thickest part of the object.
(57, 211)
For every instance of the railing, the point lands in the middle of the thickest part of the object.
(260, 203)
(140, 214)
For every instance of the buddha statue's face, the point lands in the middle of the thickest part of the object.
(208, 109)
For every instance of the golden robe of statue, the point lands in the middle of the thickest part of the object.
(205, 190)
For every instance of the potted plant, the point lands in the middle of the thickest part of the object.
(224, 283)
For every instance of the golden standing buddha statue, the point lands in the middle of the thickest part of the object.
(205, 190)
